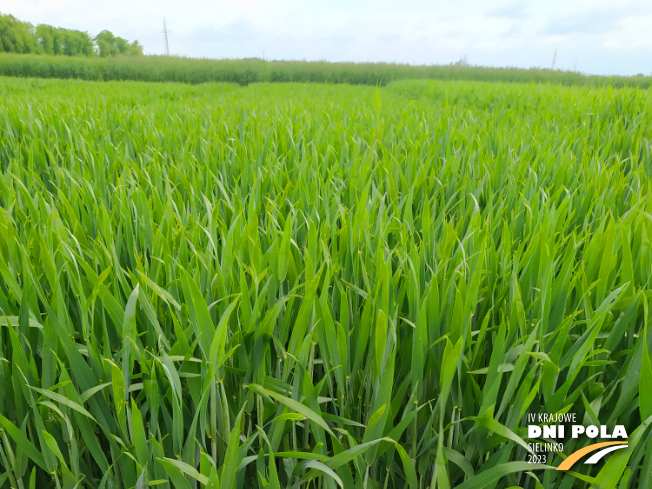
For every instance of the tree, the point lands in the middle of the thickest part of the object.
(105, 42)
(110, 45)
(16, 36)
(23, 37)
(76, 43)
(135, 49)
(45, 38)
(54, 41)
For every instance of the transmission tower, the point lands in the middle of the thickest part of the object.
(554, 60)
(166, 31)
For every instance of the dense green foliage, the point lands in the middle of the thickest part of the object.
(56, 41)
(23, 38)
(16, 36)
(246, 71)
(320, 286)
(110, 45)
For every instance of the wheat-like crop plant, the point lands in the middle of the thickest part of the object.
(319, 286)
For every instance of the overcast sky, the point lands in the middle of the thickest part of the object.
(606, 38)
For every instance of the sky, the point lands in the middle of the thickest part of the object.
(597, 37)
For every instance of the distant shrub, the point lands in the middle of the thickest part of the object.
(254, 70)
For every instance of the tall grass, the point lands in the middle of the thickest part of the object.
(320, 286)
(246, 71)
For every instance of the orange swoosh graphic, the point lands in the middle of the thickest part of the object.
(575, 456)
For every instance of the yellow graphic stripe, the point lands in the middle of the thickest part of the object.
(575, 456)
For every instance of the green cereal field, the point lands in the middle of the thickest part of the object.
(321, 286)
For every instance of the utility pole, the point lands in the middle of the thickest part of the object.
(554, 60)
(165, 31)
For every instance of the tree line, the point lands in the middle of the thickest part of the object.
(25, 38)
